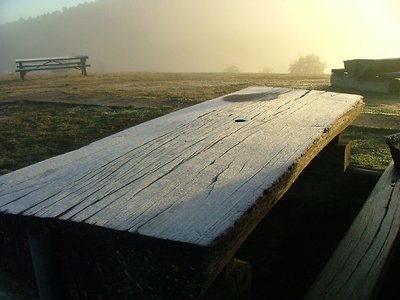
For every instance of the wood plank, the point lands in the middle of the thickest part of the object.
(49, 64)
(211, 162)
(378, 85)
(49, 68)
(51, 58)
(391, 75)
(355, 269)
(359, 68)
(338, 71)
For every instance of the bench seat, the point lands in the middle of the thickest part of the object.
(357, 266)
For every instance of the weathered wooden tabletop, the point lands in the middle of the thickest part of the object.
(203, 176)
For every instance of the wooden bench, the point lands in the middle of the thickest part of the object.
(159, 210)
(374, 75)
(51, 63)
(357, 266)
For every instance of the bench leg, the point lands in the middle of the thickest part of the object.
(44, 265)
(234, 282)
(333, 159)
(83, 71)
(83, 66)
(22, 75)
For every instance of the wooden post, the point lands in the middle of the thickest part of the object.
(44, 264)
(394, 86)
(83, 66)
(21, 73)
(334, 158)
(234, 282)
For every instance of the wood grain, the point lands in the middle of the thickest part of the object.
(356, 267)
(176, 195)
(188, 176)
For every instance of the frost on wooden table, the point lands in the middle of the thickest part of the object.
(204, 175)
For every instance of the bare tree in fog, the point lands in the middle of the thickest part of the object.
(307, 64)
(232, 69)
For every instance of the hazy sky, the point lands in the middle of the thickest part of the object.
(12, 10)
(209, 35)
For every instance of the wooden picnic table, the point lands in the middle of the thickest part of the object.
(374, 75)
(159, 209)
(23, 66)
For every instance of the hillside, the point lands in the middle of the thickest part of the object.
(136, 35)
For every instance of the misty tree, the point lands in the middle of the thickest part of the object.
(232, 69)
(307, 64)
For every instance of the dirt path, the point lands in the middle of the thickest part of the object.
(62, 97)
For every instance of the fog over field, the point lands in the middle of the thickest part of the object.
(207, 35)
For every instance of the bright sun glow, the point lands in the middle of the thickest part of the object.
(359, 29)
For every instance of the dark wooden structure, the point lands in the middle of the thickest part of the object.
(358, 265)
(51, 63)
(393, 141)
(375, 75)
(158, 211)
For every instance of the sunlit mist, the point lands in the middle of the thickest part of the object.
(207, 35)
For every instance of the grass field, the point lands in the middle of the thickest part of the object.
(49, 114)
(33, 131)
